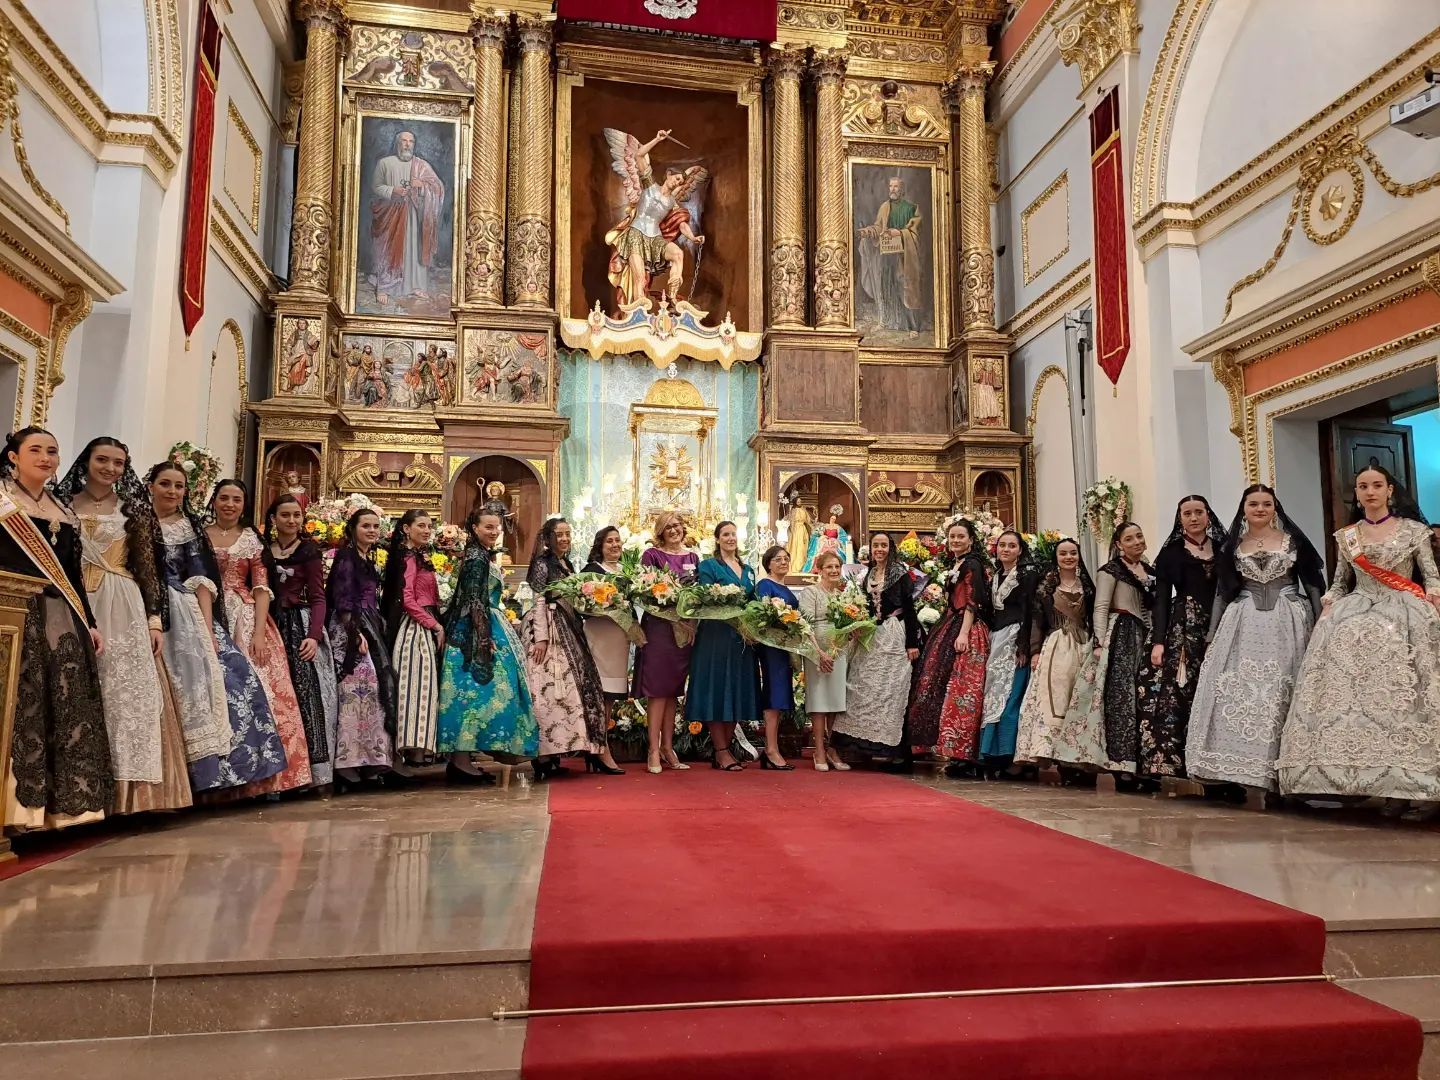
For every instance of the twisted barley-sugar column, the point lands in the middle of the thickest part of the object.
(532, 160)
(311, 231)
(966, 91)
(485, 198)
(832, 224)
(787, 194)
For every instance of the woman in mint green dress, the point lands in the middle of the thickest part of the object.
(485, 702)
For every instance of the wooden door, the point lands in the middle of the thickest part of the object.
(1354, 445)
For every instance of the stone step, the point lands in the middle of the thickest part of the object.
(1418, 995)
(454, 1050)
(212, 998)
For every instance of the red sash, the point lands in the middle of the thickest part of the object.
(23, 531)
(1388, 578)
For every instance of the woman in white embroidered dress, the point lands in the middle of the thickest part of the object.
(1267, 594)
(1366, 714)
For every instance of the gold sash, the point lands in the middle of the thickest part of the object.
(22, 530)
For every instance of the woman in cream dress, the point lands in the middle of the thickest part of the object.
(1059, 633)
(117, 537)
(825, 695)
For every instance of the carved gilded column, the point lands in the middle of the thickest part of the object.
(787, 193)
(966, 91)
(485, 200)
(832, 221)
(533, 164)
(311, 231)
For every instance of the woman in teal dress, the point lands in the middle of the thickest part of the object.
(485, 702)
(724, 677)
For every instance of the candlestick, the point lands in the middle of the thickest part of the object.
(762, 514)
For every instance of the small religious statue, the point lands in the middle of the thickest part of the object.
(293, 486)
(829, 537)
(493, 494)
(302, 359)
(660, 216)
(798, 542)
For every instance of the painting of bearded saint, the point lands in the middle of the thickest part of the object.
(411, 227)
(894, 290)
(659, 223)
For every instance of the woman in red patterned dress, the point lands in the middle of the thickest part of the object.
(949, 694)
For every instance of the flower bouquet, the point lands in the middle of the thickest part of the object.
(775, 623)
(201, 469)
(1105, 504)
(658, 593)
(931, 606)
(325, 520)
(598, 595)
(446, 571)
(1042, 544)
(725, 603)
(450, 539)
(849, 616)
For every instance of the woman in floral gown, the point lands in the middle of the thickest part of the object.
(1366, 711)
(245, 593)
(118, 533)
(1269, 582)
(485, 702)
(948, 699)
(569, 704)
(230, 735)
(365, 682)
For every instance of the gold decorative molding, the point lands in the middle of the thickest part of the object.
(167, 89)
(37, 365)
(231, 327)
(249, 205)
(1061, 184)
(292, 84)
(1076, 282)
(892, 109)
(243, 258)
(1328, 159)
(1231, 377)
(10, 114)
(1431, 272)
(1093, 33)
(1152, 142)
(832, 300)
(532, 163)
(69, 313)
(787, 187)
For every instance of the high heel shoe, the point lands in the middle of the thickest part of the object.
(835, 761)
(456, 775)
(672, 761)
(653, 769)
(821, 765)
(595, 764)
(766, 763)
(734, 766)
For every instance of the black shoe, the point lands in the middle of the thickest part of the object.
(766, 763)
(595, 764)
(960, 770)
(734, 766)
(456, 775)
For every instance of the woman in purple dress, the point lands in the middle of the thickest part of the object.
(661, 664)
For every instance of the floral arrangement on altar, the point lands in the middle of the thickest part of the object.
(924, 556)
(325, 521)
(1042, 544)
(201, 469)
(1104, 505)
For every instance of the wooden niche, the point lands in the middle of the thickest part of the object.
(523, 496)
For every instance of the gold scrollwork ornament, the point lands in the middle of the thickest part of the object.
(484, 255)
(787, 283)
(832, 285)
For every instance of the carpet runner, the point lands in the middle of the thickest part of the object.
(706, 886)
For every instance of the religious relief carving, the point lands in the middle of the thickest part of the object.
(987, 391)
(1092, 33)
(410, 60)
(310, 246)
(484, 256)
(398, 374)
(297, 373)
(894, 109)
(507, 367)
(787, 283)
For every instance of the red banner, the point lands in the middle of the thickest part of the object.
(748, 20)
(1112, 291)
(195, 241)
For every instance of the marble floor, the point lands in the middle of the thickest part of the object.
(145, 933)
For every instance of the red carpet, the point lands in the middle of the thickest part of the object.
(712, 886)
(43, 849)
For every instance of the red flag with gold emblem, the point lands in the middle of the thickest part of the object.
(195, 242)
(1112, 289)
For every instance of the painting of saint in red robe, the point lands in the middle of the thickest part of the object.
(407, 203)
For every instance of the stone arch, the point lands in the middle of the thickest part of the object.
(1050, 457)
(229, 397)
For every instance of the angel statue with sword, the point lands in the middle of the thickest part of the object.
(660, 216)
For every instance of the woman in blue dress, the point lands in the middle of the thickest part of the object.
(724, 680)
(485, 702)
(777, 686)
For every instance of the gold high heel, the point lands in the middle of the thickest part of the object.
(674, 762)
(653, 768)
(835, 763)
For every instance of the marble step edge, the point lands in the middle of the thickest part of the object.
(459, 1049)
(262, 965)
(1415, 995)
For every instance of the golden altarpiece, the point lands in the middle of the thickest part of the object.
(614, 269)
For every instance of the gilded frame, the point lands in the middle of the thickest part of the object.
(911, 154)
(375, 102)
(579, 61)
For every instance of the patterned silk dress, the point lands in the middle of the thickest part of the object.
(1365, 719)
(949, 697)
